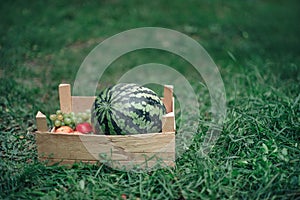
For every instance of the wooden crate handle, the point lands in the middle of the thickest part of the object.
(168, 120)
(41, 122)
(168, 97)
(65, 98)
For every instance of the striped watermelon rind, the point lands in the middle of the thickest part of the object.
(127, 108)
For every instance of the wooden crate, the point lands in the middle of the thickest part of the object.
(142, 150)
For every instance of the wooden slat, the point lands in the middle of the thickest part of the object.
(41, 122)
(168, 122)
(65, 99)
(119, 148)
(82, 103)
(168, 98)
(141, 142)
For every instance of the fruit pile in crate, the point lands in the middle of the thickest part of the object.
(72, 122)
(127, 122)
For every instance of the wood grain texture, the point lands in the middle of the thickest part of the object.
(168, 122)
(82, 103)
(41, 122)
(129, 148)
(168, 98)
(65, 99)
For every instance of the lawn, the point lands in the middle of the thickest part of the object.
(256, 47)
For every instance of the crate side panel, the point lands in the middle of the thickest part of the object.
(155, 143)
(82, 147)
(142, 143)
(82, 103)
(131, 147)
(61, 147)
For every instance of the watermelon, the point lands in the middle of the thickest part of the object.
(127, 108)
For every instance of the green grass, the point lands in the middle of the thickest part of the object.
(254, 43)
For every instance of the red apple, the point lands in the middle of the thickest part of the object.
(84, 127)
(64, 129)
